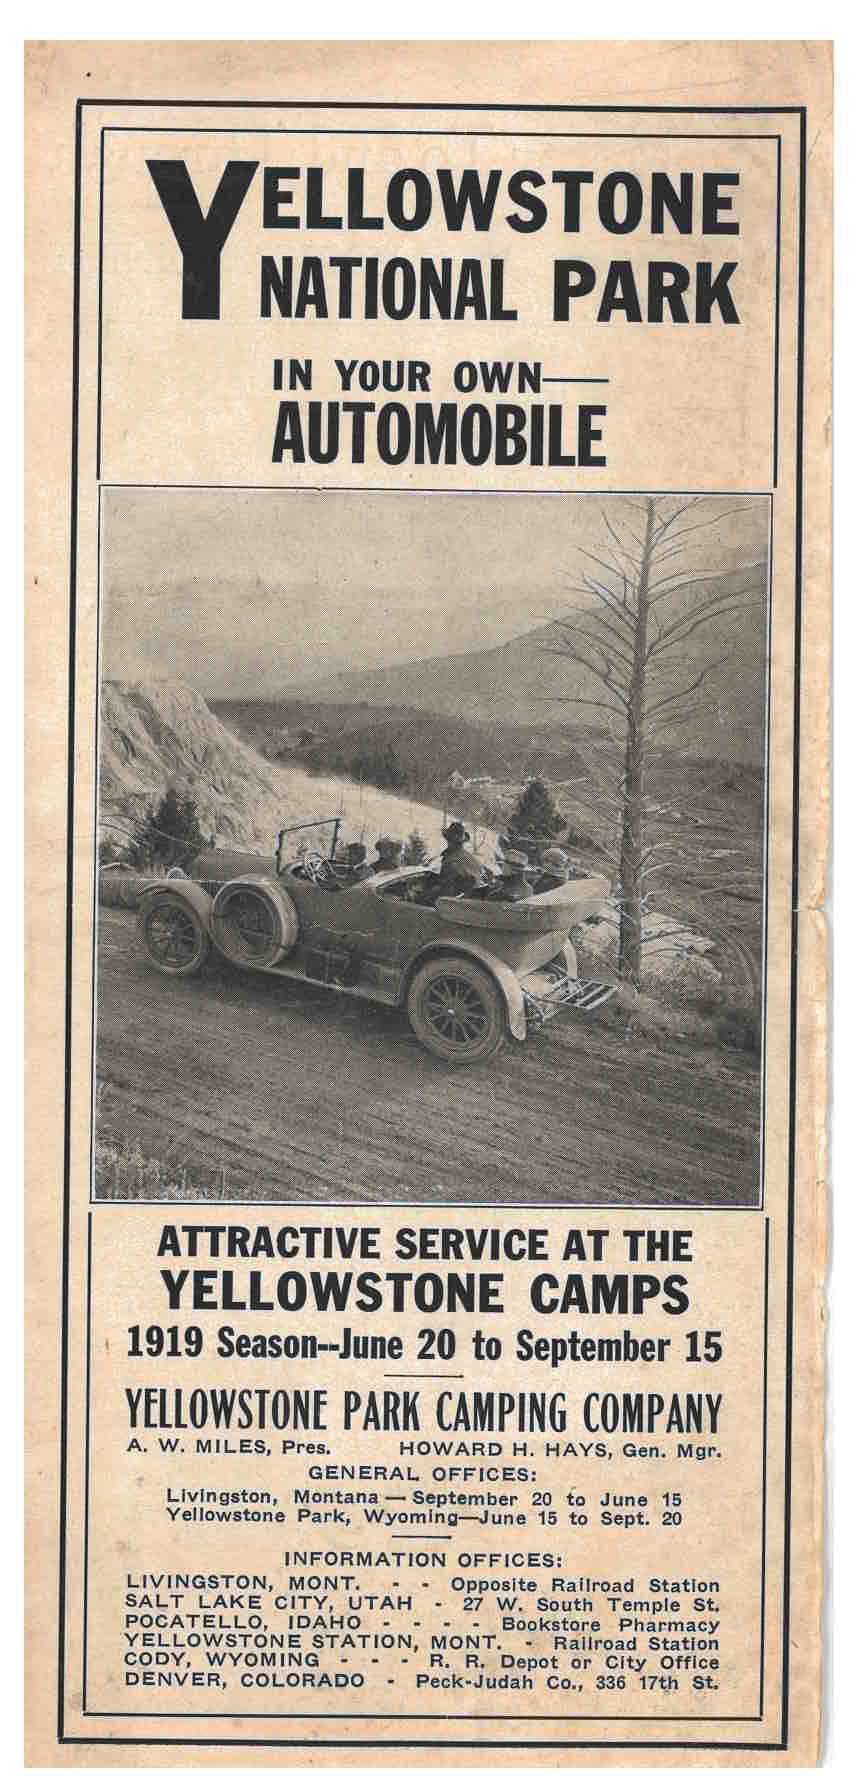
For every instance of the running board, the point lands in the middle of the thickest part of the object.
(584, 993)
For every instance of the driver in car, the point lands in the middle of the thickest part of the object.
(356, 868)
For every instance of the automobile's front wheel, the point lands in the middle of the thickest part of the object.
(173, 935)
(457, 1010)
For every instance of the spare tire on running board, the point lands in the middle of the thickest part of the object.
(254, 922)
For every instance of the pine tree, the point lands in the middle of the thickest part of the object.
(535, 814)
(170, 834)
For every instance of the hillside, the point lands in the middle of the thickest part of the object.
(160, 732)
(422, 749)
(523, 682)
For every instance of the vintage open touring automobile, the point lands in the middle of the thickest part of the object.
(470, 974)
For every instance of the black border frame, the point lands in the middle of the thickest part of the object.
(498, 1744)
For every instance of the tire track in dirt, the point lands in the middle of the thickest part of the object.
(292, 1093)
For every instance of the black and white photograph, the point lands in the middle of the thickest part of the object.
(431, 847)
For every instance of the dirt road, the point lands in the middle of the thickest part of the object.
(263, 1088)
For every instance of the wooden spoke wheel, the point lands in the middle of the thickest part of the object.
(173, 935)
(248, 921)
(457, 1010)
(254, 923)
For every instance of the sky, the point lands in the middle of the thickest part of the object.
(249, 594)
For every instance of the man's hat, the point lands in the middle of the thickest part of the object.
(388, 844)
(553, 859)
(517, 859)
(355, 850)
(456, 831)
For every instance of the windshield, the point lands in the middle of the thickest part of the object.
(321, 838)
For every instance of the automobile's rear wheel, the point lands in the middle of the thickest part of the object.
(457, 1011)
(173, 935)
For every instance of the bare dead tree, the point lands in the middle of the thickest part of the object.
(633, 644)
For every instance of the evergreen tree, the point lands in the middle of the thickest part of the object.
(170, 834)
(535, 814)
(377, 762)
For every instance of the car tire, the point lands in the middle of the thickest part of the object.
(457, 1011)
(254, 923)
(172, 935)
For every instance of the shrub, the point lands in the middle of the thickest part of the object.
(121, 1172)
(170, 834)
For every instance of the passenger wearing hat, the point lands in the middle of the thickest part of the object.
(389, 853)
(355, 862)
(512, 885)
(461, 873)
(555, 871)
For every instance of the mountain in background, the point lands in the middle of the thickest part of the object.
(524, 681)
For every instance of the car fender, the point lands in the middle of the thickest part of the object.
(568, 953)
(187, 889)
(507, 981)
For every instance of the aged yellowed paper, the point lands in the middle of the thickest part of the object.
(428, 595)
